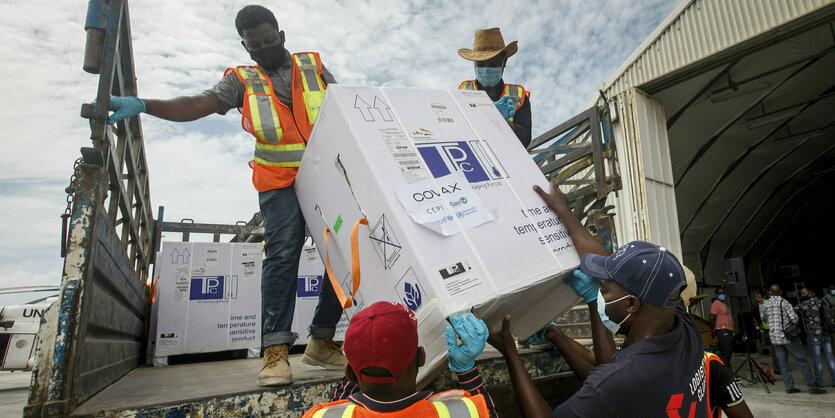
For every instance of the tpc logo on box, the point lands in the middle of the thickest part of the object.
(474, 158)
(213, 288)
(309, 286)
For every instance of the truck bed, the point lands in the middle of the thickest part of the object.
(227, 388)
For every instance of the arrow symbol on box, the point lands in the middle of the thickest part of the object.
(364, 108)
(385, 110)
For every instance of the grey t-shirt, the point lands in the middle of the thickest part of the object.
(229, 92)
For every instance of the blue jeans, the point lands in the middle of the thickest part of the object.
(796, 350)
(284, 235)
(816, 344)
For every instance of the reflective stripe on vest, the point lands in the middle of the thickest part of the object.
(336, 411)
(516, 93)
(313, 88)
(266, 125)
(460, 408)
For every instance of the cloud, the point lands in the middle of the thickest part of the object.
(199, 170)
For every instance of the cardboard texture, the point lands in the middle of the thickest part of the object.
(453, 223)
(209, 297)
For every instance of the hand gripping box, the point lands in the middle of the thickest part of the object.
(209, 297)
(451, 221)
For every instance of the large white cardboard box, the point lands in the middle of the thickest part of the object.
(311, 274)
(209, 297)
(453, 223)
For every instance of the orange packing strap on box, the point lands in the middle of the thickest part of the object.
(152, 297)
(355, 266)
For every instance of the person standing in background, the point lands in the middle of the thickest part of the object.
(820, 343)
(722, 324)
(489, 56)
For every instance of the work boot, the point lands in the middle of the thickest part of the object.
(276, 370)
(324, 353)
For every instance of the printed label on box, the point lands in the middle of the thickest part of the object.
(168, 338)
(475, 159)
(447, 208)
(385, 242)
(213, 288)
(421, 135)
(181, 284)
(211, 256)
(458, 277)
(410, 291)
(441, 113)
(248, 268)
(309, 286)
(311, 255)
(404, 153)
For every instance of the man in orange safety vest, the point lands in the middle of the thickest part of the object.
(279, 100)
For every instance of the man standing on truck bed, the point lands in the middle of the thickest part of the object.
(280, 99)
(489, 56)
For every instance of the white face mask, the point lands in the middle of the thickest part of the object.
(601, 310)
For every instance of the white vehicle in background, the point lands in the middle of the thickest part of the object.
(19, 326)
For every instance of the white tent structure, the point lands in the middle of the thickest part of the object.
(748, 89)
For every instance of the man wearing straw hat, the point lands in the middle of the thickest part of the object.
(489, 56)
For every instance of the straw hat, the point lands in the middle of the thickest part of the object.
(488, 43)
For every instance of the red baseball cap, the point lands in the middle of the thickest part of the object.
(382, 335)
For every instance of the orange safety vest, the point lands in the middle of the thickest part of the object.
(449, 404)
(280, 132)
(516, 92)
(708, 358)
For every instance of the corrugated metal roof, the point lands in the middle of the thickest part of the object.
(697, 29)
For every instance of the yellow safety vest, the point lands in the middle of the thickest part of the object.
(516, 92)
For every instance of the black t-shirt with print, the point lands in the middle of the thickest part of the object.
(657, 377)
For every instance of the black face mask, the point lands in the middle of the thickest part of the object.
(269, 57)
(805, 298)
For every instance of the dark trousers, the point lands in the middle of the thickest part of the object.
(726, 346)
(284, 234)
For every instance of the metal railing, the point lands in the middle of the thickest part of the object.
(124, 164)
(579, 156)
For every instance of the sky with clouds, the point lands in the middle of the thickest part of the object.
(199, 169)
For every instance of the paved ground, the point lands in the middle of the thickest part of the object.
(14, 389)
(780, 404)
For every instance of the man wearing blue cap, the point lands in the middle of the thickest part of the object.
(661, 371)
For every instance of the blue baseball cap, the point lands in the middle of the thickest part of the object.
(643, 269)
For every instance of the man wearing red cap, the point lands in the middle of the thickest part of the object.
(381, 345)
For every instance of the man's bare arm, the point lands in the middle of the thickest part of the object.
(530, 400)
(181, 109)
(583, 240)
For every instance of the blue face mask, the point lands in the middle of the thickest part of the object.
(601, 310)
(488, 76)
(721, 297)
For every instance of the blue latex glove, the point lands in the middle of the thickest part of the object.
(506, 107)
(584, 285)
(473, 333)
(539, 337)
(124, 107)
